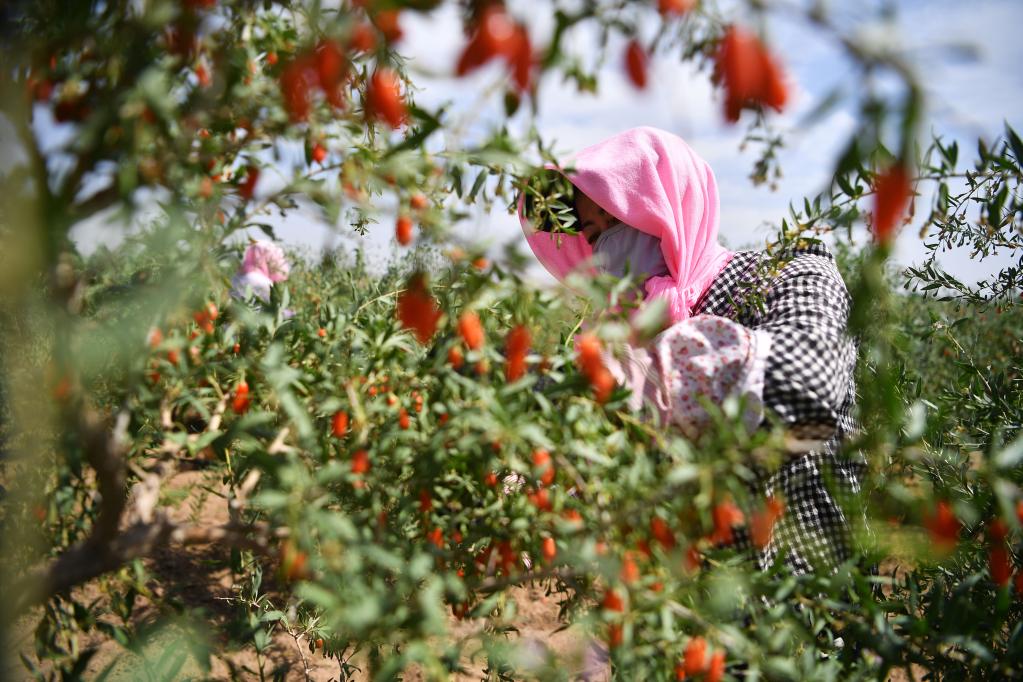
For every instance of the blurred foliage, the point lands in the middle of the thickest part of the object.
(367, 532)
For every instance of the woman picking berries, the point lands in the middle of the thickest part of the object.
(647, 206)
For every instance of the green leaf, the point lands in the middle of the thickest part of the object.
(1015, 143)
(318, 595)
(271, 499)
(477, 184)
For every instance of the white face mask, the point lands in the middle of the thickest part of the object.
(621, 248)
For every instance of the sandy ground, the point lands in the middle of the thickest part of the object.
(198, 579)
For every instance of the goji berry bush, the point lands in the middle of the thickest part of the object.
(392, 453)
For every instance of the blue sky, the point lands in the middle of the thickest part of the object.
(967, 97)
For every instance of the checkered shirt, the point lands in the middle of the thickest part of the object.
(802, 302)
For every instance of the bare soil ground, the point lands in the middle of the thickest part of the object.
(199, 581)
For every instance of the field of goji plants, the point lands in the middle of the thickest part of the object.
(223, 459)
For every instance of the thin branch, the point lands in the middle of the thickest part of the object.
(105, 450)
(85, 560)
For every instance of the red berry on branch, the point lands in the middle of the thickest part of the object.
(613, 602)
(516, 349)
(494, 37)
(540, 499)
(999, 564)
(997, 530)
(630, 569)
(330, 63)
(455, 357)
(363, 38)
(636, 63)
(549, 549)
(383, 98)
(360, 462)
(471, 330)
(248, 186)
(240, 403)
(695, 656)
(319, 153)
(749, 73)
(943, 526)
(543, 465)
(296, 82)
(716, 669)
(418, 310)
(725, 516)
(762, 522)
(403, 419)
(615, 635)
(403, 230)
(675, 7)
(388, 23)
(893, 190)
(205, 188)
(417, 202)
(203, 76)
(339, 424)
(293, 562)
(662, 532)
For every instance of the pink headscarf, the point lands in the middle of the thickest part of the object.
(263, 265)
(653, 181)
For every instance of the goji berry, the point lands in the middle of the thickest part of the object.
(319, 153)
(943, 526)
(383, 98)
(695, 656)
(725, 515)
(636, 63)
(750, 75)
(339, 424)
(630, 570)
(892, 192)
(403, 230)
(661, 532)
(549, 549)
(360, 462)
(417, 309)
(471, 330)
(545, 468)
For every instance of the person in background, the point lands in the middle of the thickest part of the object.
(647, 205)
(263, 265)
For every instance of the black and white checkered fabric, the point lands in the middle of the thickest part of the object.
(802, 302)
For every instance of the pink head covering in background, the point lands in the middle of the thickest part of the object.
(266, 258)
(653, 181)
(263, 265)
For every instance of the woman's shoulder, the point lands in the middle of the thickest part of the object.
(740, 289)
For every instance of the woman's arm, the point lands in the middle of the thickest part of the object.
(796, 360)
(706, 357)
(809, 373)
